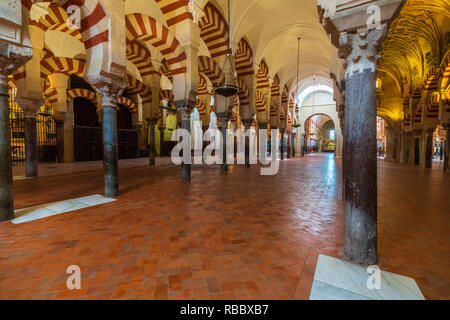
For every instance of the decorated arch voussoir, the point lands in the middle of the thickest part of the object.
(82, 93)
(211, 69)
(57, 19)
(134, 86)
(62, 65)
(145, 28)
(214, 31)
(127, 103)
(244, 59)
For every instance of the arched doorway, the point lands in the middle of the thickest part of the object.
(381, 137)
(128, 147)
(88, 141)
(320, 134)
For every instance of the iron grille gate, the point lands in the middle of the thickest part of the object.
(17, 127)
(46, 133)
(45, 126)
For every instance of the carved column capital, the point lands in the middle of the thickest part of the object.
(247, 123)
(12, 57)
(109, 96)
(360, 50)
(224, 118)
(185, 108)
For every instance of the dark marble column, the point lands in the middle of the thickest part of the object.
(6, 182)
(31, 146)
(270, 141)
(429, 149)
(110, 145)
(262, 126)
(361, 169)
(247, 125)
(60, 140)
(161, 139)
(151, 141)
(282, 131)
(224, 118)
(360, 174)
(185, 108)
(289, 144)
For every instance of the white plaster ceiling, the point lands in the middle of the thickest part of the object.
(272, 28)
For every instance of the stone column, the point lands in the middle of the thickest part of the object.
(162, 129)
(270, 141)
(6, 187)
(262, 126)
(110, 145)
(151, 141)
(224, 118)
(282, 131)
(360, 175)
(247, 125)
(31, 145)
(185, 108)
(429, 148)
(11, 58)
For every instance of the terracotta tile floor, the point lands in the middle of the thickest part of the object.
(234, 236)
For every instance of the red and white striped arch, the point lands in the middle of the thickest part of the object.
(142, 27)
(262, 77)
(282, 115)
(137, 87)
(127, 103)
(214, 31)
(201, 108)
(56, 20)
(166, 94)
(211, 69)
(445, 72)
(51, 94)
(244, 59)
(284, 95)
(94, 25)
(260, 101)
(202, 85)
(165, 70)
(243, 95)
(82, 93)
(140, 56)
(275, 89)
(175, 11)
(64, 65)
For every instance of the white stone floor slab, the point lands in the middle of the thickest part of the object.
(54, 208)
(337, 279)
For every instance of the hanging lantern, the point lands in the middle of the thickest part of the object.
(228, 83)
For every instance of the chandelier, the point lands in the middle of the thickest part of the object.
(228, 83)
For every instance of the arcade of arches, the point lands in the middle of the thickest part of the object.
(89, 106)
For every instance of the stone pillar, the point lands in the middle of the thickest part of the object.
(247, 125)
(416, 147)
(270, 141)
(6, 182)
(429, 149)
(289, 145)
(224, 118)
(360, 174)
(110, 145)
(31, 145)
(162, 129)
(262, 126)
(12, 56)
(151, 141)
(282, 131)
(185, 108)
